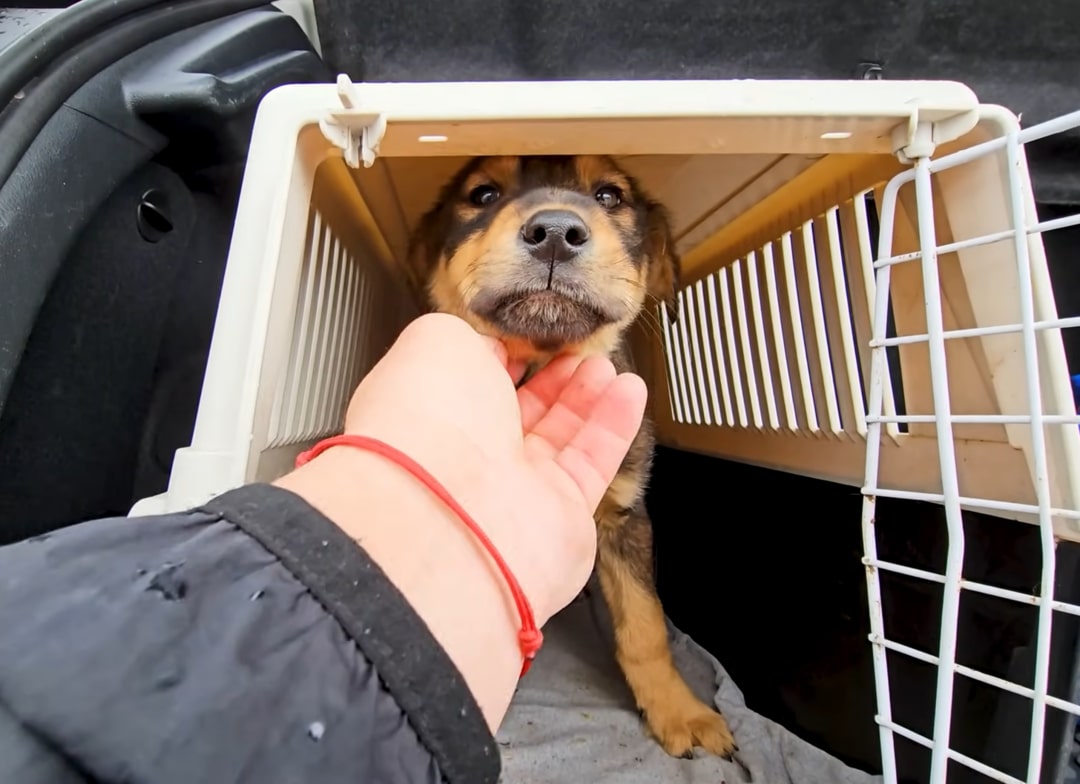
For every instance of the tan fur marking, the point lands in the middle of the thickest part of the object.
(502, 170)
(593, 170)
(624, 492)
(606, 244)
(677, 718)
(456, 285)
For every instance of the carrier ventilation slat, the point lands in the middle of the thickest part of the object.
(330, 349)
(769, 341)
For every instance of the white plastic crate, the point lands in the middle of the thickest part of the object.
(778, 353)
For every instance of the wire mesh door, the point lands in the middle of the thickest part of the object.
(1010, 331)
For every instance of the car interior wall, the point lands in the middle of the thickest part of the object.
(108, 383)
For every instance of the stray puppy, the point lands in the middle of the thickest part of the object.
(559, 255)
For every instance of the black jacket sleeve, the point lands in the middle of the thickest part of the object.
(248, 641)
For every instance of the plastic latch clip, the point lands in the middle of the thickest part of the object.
(357, 132)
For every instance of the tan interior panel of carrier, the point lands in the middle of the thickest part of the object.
(773, 189)
(985, 373)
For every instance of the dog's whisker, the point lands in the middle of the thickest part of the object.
(652, 324)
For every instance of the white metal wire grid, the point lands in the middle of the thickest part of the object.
(943, 421)
(793, 340)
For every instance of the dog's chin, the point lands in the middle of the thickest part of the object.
(548, 320)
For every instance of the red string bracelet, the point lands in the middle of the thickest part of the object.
(529, 637)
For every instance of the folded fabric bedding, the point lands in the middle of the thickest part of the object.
(573, 719)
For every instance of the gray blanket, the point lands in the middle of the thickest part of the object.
(573, 720)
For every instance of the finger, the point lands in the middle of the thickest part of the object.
(451, 345)
(593, 455)
(515, 368)
(445, 340)
(498, 348)
(541, 391)
(576, 399)
(438, 329)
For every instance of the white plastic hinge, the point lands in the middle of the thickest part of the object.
(356, 131)
(913, 139)
(922, 132)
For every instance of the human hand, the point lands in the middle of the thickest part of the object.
(529, 465)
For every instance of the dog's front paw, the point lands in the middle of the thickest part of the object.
(681, 725)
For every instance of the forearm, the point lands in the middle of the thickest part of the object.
(432, 558)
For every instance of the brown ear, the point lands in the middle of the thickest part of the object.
(662, 281)
(429, 237)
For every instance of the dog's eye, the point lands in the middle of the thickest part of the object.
(483, 195)
(609, 197)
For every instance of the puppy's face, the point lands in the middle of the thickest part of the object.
(552, 254)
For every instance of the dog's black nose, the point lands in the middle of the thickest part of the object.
(554, 235)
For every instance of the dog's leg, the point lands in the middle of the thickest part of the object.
(678, 719)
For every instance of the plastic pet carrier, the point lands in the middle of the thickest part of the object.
(865, 300)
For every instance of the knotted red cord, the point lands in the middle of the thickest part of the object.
(529, 637)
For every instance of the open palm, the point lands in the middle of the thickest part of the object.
(578, 419)
(530, 465)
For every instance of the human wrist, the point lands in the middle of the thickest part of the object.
(431, 557)
(543, 556)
